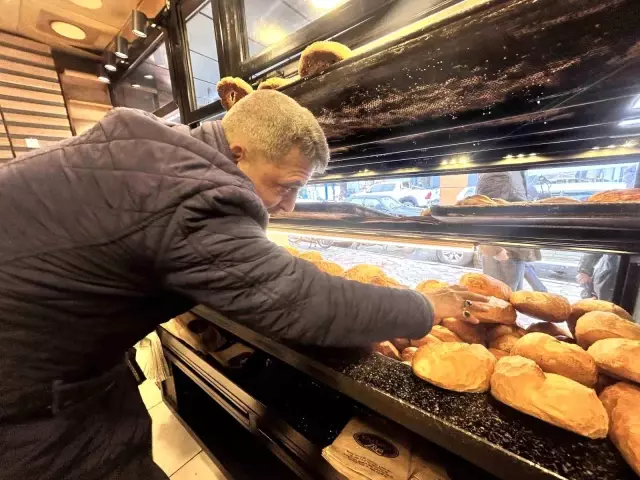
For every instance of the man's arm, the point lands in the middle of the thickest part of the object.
(221, 258)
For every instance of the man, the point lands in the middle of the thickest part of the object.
(597, 274)
(511, 265)
(106, 235)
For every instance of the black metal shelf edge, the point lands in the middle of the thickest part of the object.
(474, 426)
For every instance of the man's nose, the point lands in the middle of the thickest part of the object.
(288, 203)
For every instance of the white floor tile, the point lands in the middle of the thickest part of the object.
(172, 445)
(150, 393)
(201, 468)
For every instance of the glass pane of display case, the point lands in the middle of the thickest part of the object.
(205, 71)
(148, 87)
(271, 21)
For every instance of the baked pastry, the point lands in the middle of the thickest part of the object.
(550, 307)
(498, 311)
(426, 212)
(319, 56)
(311, 256)
(558, 200)
(587, 305)
(455, 366)
(552, 329)
(521, 384)
(401, 343)
(293, 251)
(428, 286)
(475, 201)
(554, 356)
(496, 331)
(362, 273)
(468, 333)
(505, 342)
(619, 357)
(616, 196)
(621, 402)
(594, 326)
(444, 334)
(330, 268)
(408, 354)
(387, 349)
(500, 201)
(274, 83)
(498, 353)
(426, 340)
(231, 90)
(485, 285)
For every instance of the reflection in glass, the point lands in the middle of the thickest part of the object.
(270, 21)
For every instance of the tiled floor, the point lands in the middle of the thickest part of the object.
(174, 450)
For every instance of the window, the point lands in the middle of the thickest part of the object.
(382, 187)
(270, 21)
(372, 203)
(205, 71)
(148, 87)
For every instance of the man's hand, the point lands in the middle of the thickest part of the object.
(503, 256)
(583, 278)
(456, 301)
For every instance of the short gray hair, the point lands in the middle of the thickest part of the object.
(272, 124)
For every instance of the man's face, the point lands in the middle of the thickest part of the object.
(277, 184)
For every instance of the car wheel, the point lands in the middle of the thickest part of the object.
(454, 258)
(409, 202)
(325, 243)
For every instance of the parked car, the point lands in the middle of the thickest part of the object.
(384, 204)
(405, 193)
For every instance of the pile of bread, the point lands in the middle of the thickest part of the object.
(547, 370)
(630, 195)
(316, 58)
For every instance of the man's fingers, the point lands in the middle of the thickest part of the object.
(478, 307)
(474, 297)
(468, 317)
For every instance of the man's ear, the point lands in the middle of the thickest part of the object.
(239, 152)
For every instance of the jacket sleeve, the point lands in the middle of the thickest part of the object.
(588, 263)
(224, 261)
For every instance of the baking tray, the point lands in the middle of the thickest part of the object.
(612, 215)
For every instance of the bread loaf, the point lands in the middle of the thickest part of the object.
(619, 357)
(616, 196)
(587, 305)
(621, 402)
(498, 311)
(543, 305)
(428, 286)
(521, 384)
(549, 328)
(554, 356)
(426, 340)
(455, 366)
(495, 331)
(468, 333)
(444, 334)
(387, 349)
(505, 342)
(231, 90)
(498, 353)
(594, 326)
(319, 56)
(475, 200)
(311, 256)
(274, 83)
(558, 200)
(330, 268)
(408, 354)
(485, 285)
(293, 251)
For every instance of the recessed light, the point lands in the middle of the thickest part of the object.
(149, 77)
(67, 30)
(122, 47)
(102, 75)
(139, 24)
(135, 85)
(90, 4)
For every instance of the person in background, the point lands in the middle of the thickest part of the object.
(510, 265)
(597, 274)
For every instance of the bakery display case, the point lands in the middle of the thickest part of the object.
(429, 98)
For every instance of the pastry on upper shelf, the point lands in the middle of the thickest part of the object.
(430, 286)
(498, 311)
(621, 402)
(329, 267)
(319, 56)
(293, 251)
(231, 90)
(550, 307)
(618, 357)
(426, 212)
(467, 332)
(501, 201)
(274, 83)
(485, 285)
(311, 256)
(594, 326)
(455, 366)
(387, 349)
(616, 196)
(475, 201)
(587, 305)
(558, 200)
(554, 356)
(520, 383)
(552, 329)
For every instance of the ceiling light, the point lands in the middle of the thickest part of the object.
(520, 155)
(135, 85)
(90, 4)
(631, 122)
(611, 146)
(445, 162)
(509, 156)
(533, 154)
(326, 4)
(595, 148)
(102, 75)
(122, 47)
(269, 34)
(110, 61)
(139, 24)
(67, 30)
(149, 77)
(630, 143)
